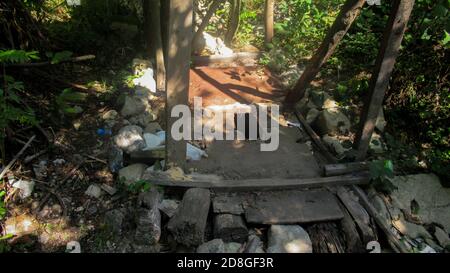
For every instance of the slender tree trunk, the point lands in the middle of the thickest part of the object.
(165, 12)
(233, 22)
(215, 4)
(268, 21)
(350, 10)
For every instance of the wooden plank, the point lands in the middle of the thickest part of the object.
(265, 183)
(395, 243)
(345, 168)
(229, 203)
(178, 65)
(358, 213)
(189, 222)
(290, 207)
(230, 228)
(349, 11)
(392, 39)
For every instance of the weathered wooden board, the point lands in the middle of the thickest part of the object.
(289, 207)
(229, 203)
(266, 183)
(345, 168)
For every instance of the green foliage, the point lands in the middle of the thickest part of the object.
(67, 99)
(381, 172)
(59, 56)
(2, 204)
(17, 56)
(140, 186)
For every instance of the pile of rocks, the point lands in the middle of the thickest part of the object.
(331, 121)
(417, 212)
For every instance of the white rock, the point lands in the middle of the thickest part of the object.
(26, 187)
(213, 246)
(194, 153)
(146, 80)
(168, 206)
(334, 144)
(153, 141)
(332, 122)
(93, 191)
(288, 239)
(130, 139)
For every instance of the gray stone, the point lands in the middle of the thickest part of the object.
(411, 230)
(232, 247)
(115, 158)
(130, 139)
(132, 173)
(109, 189)
(319, 97)
(256, 245)
(230, 228)
(93, 191)
(168, 207)
(427, 191)
(148, 226)
(152, 128)
(133, 106)
(332, 122)
(313, 113)
(334, 144)
(288, 239)
(114, 220)
(213, 246)
(442, 237)
(143, 119)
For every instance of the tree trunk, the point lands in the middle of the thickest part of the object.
(233, 22)
(268, 21)
(211, 10)
(350, 10)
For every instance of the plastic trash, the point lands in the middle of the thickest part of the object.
(154, 141)
(25, 187)
(104, 132)
(194, 153)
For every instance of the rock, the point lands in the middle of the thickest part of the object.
(442, 237)
(213, 246)
(146, 248)
(26, 187)
(146, 80)
(114, 220)
(334, 144)
(230, 228)
(143, 119)
(40, 170)
(93, 191)
(152, 128)
(288, 239)
(330, 103)
(433, 199)
(411, 230)
(21, 225)
(132, 173)
(332, 122)
(254, 245)
(168, 207)
(381, 122)
(376, 144)
(213, 45)
(115, 158)
(133, 106)
(313, 113)
(232, 247)
(130, 139)
(148, 226)
(139, 65)
(319, 98)
(110, 115)
(189, 222)
(110, 190)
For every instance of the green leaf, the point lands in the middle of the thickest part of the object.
(61, 56)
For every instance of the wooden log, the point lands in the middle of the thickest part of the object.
(268, 21)
(156, 39)
(39, 64)
(148, 218)
(230, 228)
(189, 222)
(315, 138)
(352, 239)
(178, 66)
(266, 183)
(392, 39)
(358, 213)
(350, 10)
(344, 168)
(395, 243)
